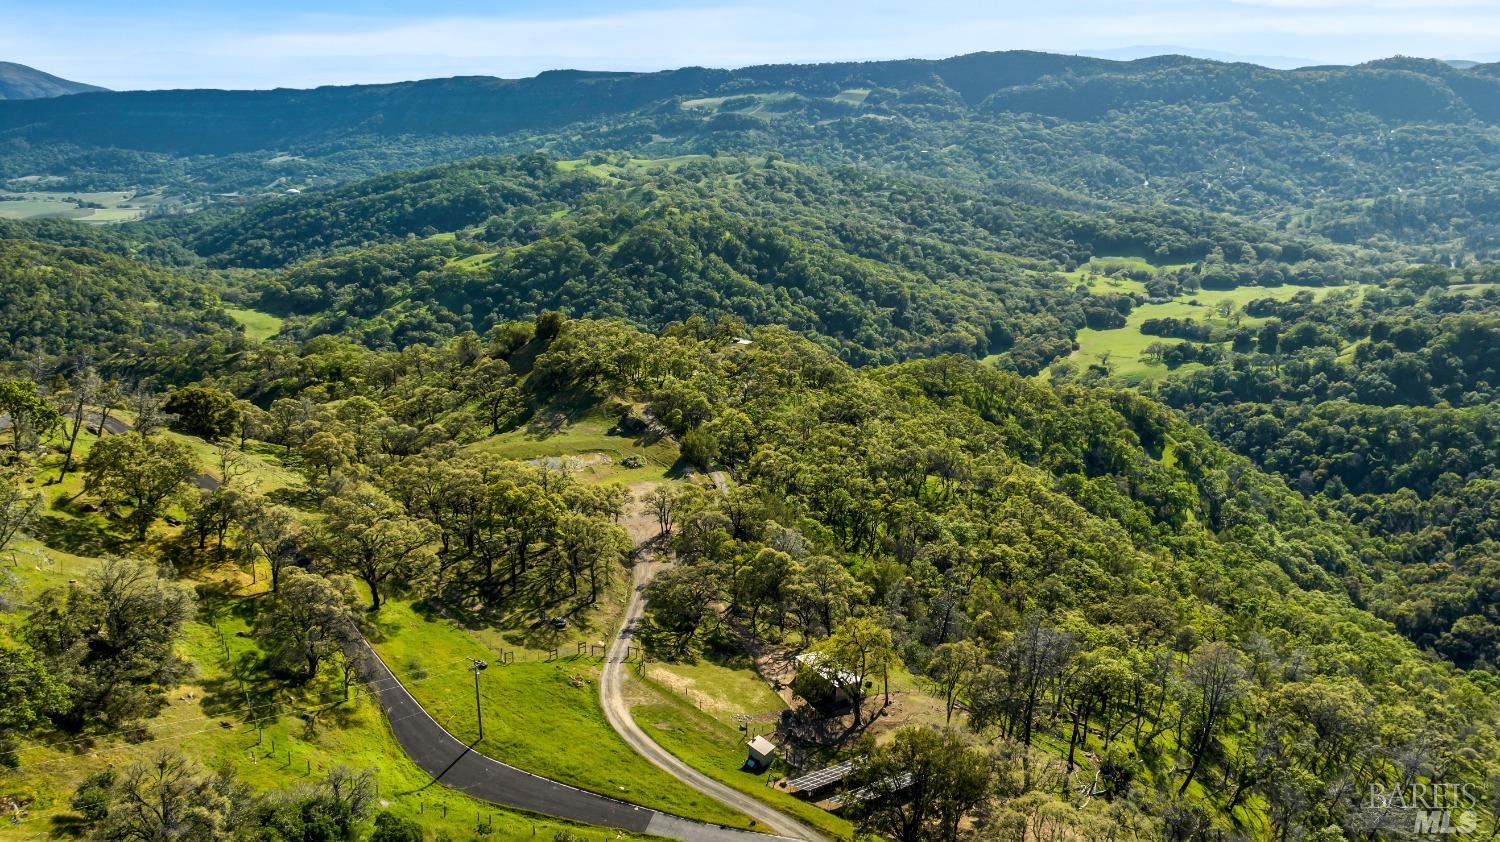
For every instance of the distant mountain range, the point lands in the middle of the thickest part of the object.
(17, 81)
(1400, 148)
(1139, 52)
(980, 85)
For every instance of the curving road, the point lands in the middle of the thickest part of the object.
(617, 711)
(115, 426)
(453, 763)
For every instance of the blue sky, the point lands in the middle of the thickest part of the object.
(274, 43)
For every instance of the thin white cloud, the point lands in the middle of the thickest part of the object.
(706, 32)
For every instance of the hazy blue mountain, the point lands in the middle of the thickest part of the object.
(17, 81)
(1138, 52)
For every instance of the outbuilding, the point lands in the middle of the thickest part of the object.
(762, 752)
(832, 683)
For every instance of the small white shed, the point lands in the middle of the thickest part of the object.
(762, 752)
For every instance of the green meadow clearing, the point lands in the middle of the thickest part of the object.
(118, 206)
(257, 325)
(1120, 349)
(586, 449)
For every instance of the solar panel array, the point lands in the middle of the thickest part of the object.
(822, 777)
(889, 785)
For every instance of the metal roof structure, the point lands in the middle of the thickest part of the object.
(821, 777)
(889, 785)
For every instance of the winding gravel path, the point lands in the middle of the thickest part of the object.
(617, 711)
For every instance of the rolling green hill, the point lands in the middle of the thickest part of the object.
(1129, 428)
(876, 267)
(1084, 541)
(1321, 149)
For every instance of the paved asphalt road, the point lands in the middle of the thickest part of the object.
(452, 763)
(115, 426)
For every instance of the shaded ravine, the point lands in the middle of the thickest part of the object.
(455, 764)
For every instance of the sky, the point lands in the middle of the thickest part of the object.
(130, 44)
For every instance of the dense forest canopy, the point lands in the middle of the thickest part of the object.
(1145, 413)
(61, 300)
(1390, 150)
(880, 267)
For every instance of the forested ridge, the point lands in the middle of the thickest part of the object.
(880, 267)
(1389, 150)
(1383, 404)
(1100, 591)
(1109, 446)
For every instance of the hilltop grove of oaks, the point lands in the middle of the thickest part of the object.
(1086, 579)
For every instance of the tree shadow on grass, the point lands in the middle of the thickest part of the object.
(183, 553)
(723, 649)
(69, 826)
(219, 600)
(545, 424)
(247, 690)
(78, 535)
(524, 615)
(245, 700)
(297, 498)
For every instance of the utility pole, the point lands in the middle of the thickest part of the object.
(478, 666)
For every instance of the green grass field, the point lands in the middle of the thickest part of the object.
(716, 689)
(579, 446)
(540, 715)
(257, 325)
(1121, 348)
(633, 166)
(119, 206)
(1473, 289)
(747, 103)
(852, 96)
(1095, 274)
(473, 261)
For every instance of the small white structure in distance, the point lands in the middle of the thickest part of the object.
(762, 752)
